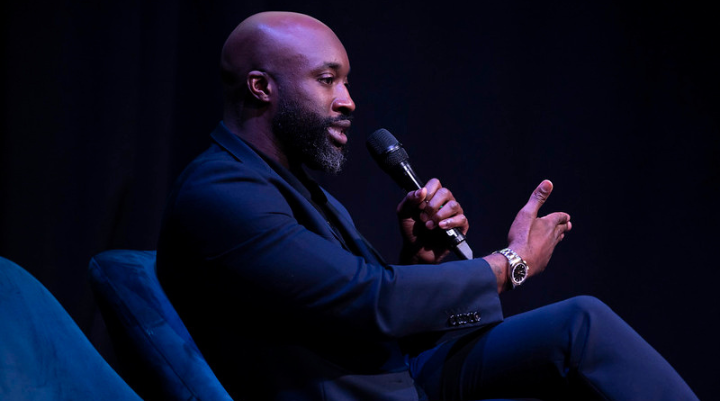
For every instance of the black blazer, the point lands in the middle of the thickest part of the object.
(285, 298)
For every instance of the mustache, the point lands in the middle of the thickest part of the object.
(344, 117)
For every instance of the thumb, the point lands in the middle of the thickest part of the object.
(538, 197)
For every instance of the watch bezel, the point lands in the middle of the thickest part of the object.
(515, 268)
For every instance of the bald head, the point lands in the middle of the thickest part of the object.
(285, 76)
(273, 42)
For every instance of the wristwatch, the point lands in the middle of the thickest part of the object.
(518, 267)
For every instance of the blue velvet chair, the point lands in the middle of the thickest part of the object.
(44, 356)
(156, 354)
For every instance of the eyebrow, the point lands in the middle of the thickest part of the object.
(330, 64)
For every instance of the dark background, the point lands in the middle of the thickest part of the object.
(103, 103)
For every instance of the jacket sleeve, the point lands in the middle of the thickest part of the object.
(246, 230)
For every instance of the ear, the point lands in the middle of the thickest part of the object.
(260, 86)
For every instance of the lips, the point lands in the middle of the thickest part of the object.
(337, 132)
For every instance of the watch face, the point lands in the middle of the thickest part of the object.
(519, 273)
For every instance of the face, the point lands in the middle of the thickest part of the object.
(314, 108)
(308, 137)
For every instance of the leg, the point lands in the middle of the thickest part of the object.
(575, 349)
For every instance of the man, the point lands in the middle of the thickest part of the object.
(287, 301)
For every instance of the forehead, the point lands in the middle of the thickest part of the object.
(308, 48)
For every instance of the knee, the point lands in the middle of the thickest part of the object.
(588, 304)
(587, 311)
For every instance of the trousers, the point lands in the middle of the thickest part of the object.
(577, 349)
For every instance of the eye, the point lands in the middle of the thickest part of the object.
(327, 80)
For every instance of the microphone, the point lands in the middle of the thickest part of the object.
(394, 160)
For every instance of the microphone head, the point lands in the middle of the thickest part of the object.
(385, 149)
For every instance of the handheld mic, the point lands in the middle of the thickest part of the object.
(394, 160)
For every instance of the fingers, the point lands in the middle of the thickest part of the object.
(561, 224)
(409, 205)
(440, 209)
(538, 198)
(436, 197)
(558, 218)
(437, 207)
(448, 217)
(429, 199)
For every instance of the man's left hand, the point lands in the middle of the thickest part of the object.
(421, 215)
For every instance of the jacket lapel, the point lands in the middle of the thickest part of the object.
(245, 153)
(361, 245)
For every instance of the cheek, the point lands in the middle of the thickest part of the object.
(312, 97)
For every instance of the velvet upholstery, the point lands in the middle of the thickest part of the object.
(157, 356)
(44, 355)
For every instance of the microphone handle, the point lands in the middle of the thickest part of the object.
(404, 176)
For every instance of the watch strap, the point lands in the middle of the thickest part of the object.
(514, 260)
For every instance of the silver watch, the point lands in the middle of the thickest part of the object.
(518, 267)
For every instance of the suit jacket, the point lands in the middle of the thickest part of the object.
(285, 298)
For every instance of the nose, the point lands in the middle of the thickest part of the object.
(343, 103)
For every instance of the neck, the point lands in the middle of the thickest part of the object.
(260, 136)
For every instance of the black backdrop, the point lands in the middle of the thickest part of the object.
(616, 102)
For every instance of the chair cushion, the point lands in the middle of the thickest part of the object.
(156, 353)
(44, 356)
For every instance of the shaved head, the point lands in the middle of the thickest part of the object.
(285, 80)
(274, 42)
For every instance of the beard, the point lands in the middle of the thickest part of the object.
(304, 137)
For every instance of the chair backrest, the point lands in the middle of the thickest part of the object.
(44, 356)
(157, 356)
